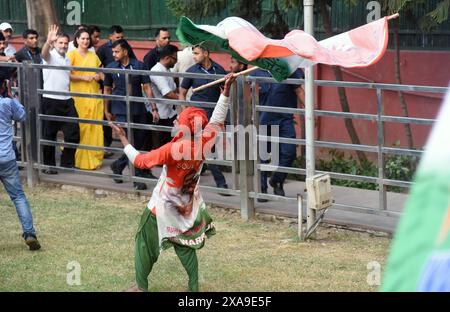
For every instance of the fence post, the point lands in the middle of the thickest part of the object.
(234, 121)
(29, 79)
(246, 171)
(309, 108)
(381, 172)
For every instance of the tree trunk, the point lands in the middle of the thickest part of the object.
(341, 91)
(398, 80)
(41, 14)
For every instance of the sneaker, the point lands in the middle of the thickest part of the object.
(277, 188)
(148, 175)
(49, 172)
(224, 187)
(31, 241)
(108, 155)
(139, 186)
(262, 200)
(116, 170)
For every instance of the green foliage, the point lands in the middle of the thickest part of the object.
(196, 8)
(397, 167)
(426, 22)
(339, 163)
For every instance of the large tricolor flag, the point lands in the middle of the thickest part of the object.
(360, 47)
(420, 255)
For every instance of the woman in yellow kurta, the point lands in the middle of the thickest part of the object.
(87, 82)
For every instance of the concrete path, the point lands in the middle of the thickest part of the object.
(346, 210)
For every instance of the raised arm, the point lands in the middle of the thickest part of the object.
(48, 45)
(221, 109)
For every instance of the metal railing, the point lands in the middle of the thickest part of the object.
(245, 172)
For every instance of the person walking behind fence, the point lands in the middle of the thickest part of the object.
(87, 108)
(117, 110)
(162, 39)
(11, 109)
(54, 53)
(165, 87)
(280, 95)
(205, 65)
(105, 55)
(176, 214)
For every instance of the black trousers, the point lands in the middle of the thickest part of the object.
(138, 138)
(164, 136)
(71, 131)
(107, 134)
(150, 136)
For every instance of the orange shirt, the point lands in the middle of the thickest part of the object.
(183, 158)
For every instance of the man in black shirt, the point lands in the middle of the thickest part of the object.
(31, 51)
(105, 53)
(117, 110)
(162, 39)
(205, 65)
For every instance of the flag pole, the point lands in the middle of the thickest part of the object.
(393, 16)
(215, 82)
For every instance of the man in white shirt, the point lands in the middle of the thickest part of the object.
(165, 87)
(185, 61)
(54, 53)
(7, 31)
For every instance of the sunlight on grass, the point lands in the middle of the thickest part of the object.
(242, 256)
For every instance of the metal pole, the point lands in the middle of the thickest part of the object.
(130, 133)
(257, 144)
(381, 172)
(301, 231)
(246, 173)
(234, 122)
(29, 79)
(309, 107)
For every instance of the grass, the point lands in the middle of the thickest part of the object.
(242, 256)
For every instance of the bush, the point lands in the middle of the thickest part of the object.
(398, 167)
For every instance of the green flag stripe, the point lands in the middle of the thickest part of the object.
(189, 34)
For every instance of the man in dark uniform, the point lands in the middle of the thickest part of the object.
(162, 39)
(280, 95)
(105, 55)
(31, 51)
(117, 110)
(204, 65)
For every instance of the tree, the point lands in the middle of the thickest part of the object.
(40, 15)
(427, 22)
(276, 24)
(341, 91)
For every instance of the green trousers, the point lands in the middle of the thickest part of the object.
(147, 252)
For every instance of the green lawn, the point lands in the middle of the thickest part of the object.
(242, 256)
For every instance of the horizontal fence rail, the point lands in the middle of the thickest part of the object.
(246, 173)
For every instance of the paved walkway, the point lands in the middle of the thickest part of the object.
(344, 212)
